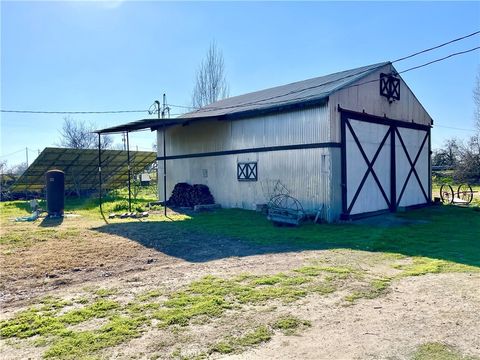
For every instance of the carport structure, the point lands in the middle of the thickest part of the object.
(138, 125)
(81, 168)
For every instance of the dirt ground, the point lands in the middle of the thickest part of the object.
(433, 308)
(415, 310)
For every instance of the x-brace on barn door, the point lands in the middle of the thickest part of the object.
(385, 164)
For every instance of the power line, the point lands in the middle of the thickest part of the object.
(348, 76)
(73, 112)
(436, 47)
(182, 106)
(263, 101)
(454, 128)
(13, 153)
(441, 59)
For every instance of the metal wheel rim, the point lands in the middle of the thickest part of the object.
(446, 194)
(465, 193)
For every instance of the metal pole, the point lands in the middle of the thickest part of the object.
(129, 175)
(164, 175)
(100, 172)
(26, 174)
(164, 159)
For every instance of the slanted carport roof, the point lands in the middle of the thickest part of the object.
(281, 98)
(81, 168)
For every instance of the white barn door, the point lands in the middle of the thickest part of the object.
(412, 166)
(368, 168)
(385, 164)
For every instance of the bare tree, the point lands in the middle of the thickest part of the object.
(18, 169)
(78, 134)
(210, 83)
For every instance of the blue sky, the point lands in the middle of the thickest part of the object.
(94, 56)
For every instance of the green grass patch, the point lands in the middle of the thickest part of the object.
(317, 270)
(181, 307)
(105, 292)
(374, 289)
(80, 344)
(151, 294)
(31, 322)
(290, 324)
(54, 303)
(439, 351)
(269, 279)
(259, 335)
(141, 308)
(423, 265)
(99, 309)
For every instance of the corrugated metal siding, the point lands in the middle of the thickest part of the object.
(305, 173)
(290, 128)
(335, 208)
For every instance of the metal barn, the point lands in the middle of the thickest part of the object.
(352, 144)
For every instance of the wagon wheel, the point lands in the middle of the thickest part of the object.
(446, 194)
(286, 202)
(465, 193)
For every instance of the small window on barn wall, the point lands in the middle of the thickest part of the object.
(247, 171)
(390, 87)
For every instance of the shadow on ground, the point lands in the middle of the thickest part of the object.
(442, 232)
(51, 221)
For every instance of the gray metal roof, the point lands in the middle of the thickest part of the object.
(285, 97)
(315, 89)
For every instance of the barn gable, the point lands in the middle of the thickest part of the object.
(363, 95)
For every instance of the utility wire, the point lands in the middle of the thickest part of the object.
(263, 101)
(182, 106)
(441, 59)
(73, 112)
(436, 47)
(359, 73)
(12, 153)
(454, 128)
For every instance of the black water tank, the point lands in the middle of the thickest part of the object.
(55, 184)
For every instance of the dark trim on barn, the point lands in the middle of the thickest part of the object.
(343, 136)
(362, 116)
(392, 132)
(393, 170)
(381, 212)
(363, 215)
(253, 150)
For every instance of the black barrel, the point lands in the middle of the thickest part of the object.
(55, 184)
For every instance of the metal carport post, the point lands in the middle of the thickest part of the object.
(100, 173)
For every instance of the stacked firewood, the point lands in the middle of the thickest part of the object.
(186, 195)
